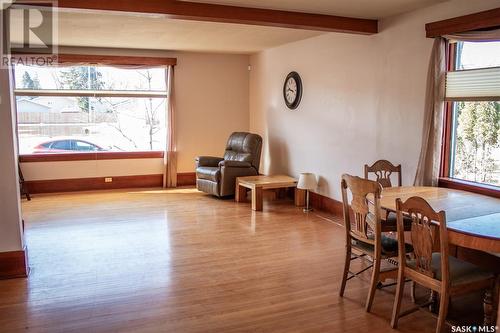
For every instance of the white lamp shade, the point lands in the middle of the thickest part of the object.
(307, 181)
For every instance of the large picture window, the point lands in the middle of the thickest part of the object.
(472, 93)
(88, 108)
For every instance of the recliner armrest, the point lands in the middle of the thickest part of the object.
(234, 164)
(208, 161)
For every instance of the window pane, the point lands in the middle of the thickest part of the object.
(477, 55)
(84, 146)
(476, 142)
(61, 145)
(90, 78)
(79, 124)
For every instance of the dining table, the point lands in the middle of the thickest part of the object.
(472, 220)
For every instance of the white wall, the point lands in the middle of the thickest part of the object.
(10, 216)
(211, 102)
(363, 98)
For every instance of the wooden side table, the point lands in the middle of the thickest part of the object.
(257, 184)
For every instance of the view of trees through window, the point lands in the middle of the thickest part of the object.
(476, 128)
(477, 143)
(90, 108)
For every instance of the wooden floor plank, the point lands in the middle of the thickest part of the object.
(182, 261)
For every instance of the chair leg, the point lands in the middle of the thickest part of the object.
(488, 307)
(347, 264)
(443, 311)
(412, 292)
(397, 300)
(373, 284)
(433, 301)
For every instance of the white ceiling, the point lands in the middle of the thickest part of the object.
(157, 32)
(160, 33)
(371, 9)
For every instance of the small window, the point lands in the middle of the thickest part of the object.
(474, 105)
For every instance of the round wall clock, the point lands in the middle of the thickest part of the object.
(292, 90)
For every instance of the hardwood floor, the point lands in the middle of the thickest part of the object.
(182, 261)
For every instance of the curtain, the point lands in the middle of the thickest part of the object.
(170, 155)
(430, 153)
(475, 36)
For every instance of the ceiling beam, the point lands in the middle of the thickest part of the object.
(482, 20)
(228, 14)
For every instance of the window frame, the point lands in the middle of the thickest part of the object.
(447, 147)
(105, 60)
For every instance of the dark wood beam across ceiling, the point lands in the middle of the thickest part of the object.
(228, 14)
(489, 19)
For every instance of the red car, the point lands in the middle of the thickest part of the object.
(66, 146)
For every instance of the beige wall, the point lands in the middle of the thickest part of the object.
(90, 169)
(363, 98)
(211, 102)
(10, 216)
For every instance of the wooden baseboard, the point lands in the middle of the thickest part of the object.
(326, 204)
(14, 264)
(186, 179)
(323, 203)
(97, 183)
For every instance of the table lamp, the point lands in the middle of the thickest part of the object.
(307, 181)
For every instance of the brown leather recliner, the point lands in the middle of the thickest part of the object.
(217, 175)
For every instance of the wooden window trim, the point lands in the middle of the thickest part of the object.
(90, 156)
(483, 20)
(465, 185)
(109, 60)
(113, 60)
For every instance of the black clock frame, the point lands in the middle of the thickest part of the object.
(298, 80)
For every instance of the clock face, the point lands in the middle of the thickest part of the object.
(292, 90)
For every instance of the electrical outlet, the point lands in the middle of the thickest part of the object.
(108, 180)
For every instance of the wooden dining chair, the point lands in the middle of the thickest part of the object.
(383, 170)
(438, 271)
(364, 234)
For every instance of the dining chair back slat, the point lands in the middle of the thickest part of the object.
(383, 170)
